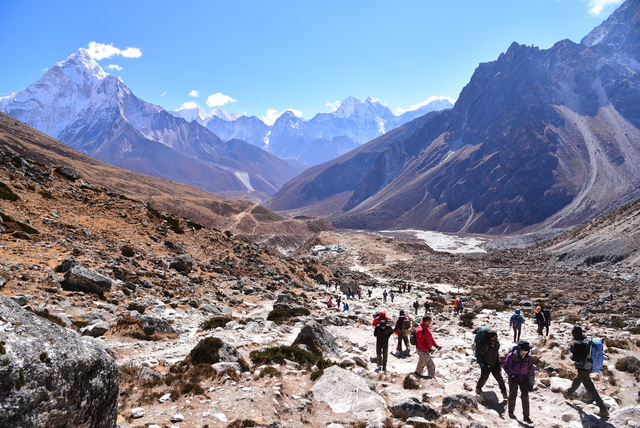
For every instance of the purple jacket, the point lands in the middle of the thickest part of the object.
(522, 368)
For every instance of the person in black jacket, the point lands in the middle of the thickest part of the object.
(382, 332)
(488, 356)
(579, 353)
(402, 327)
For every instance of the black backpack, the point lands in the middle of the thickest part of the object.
(547, 316)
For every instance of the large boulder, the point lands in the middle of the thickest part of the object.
(50, 377)
(182, 263)
(81, 278)
(286, 301)
(317, 339)
(346, 392)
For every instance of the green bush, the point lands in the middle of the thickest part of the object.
(292, 353)
(281, 314)
(466, 319)
(215, 322)
(127, 251)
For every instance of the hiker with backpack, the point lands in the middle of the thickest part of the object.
(425, 345)
(487, 354)
(402, 328)
(427, 307)
(382, 332)
(587, 356)
(457, 306)
(416, 306)
(521, 372)
(541, 320)
(515, 323)
(378, 317)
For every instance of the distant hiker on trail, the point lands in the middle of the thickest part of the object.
(402, 327)
(579, 353)
(515, 323)
(379, 317)
(425, 345)
(521, 372)
(416, 306)
(427, 307)
(369, 291)
(392, 295)
(338, 300)
(488, 356)
(382, 333)
(330, 302)
(384, 296)
(409, 288)
(345, 306)
(541, 321)
(457, 306)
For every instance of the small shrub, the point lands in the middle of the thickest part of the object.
(281, 314)
(410, 382)
(280, 353)
(46, 195)
(127, 251)
(7, 194)
(466, 319)
(629, 364)
(270, 371)
(54, 319)
(206, 351)
(616, 343)
(495, 306)
(241, 423)
(215, 322)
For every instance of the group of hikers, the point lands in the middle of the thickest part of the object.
(518, 365)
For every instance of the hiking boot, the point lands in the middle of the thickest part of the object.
(478, 390)
(528, 420)
(512, 416)
(603, 413)
(567, 393)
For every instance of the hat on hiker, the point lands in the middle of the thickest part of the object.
(577, 333)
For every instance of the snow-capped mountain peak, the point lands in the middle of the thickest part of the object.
(80, 67)
(224, 115)
(347, 107)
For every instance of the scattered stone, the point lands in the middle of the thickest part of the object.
(80, 278)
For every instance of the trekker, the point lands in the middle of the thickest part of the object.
(392, 295)
(416, 306)
(382, 333)
(457, 306)
(521, 372)
(427, 307)
(488, 355)
(579, 353)
(540, 321)
(425, 345)
(402, 327)
(330, 302)
(516, 322)
(384, 296)
(379, 317)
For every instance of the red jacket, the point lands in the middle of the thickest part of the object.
(424, 339)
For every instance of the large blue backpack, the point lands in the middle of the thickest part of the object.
(595, 357)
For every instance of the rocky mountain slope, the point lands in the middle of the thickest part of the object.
(79, 104)
(241, 217)
(319, 139)
(537, 139)
(202, 322)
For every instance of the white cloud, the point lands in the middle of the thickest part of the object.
(598, 7)
(218, 99)
(194, 94)
(189, 105)
(163, 94)
(333, 106)
(114, 67)
(100, 51)
(424, 103)
(273, 115)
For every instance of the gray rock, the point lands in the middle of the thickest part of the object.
(96, 330)
(346, 392)
(335, 320)
(461, 402)
(182, 263)
(409, 407)
(286, 301)
(52, 378)
(626, 417)
(68, 172)
(318, 339)
(137, 305)
(80, 278)
(3, 281)
(156, 326)
(226, 365)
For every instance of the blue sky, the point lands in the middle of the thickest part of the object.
(255, 57)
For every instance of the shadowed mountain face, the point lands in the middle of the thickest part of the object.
(537, 139)
(79, 104)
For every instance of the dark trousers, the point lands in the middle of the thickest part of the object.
(382, 349)
(542, 327)
(514, 385)
(583, 378)
(516, 333)
(403, 338)
(496, 371)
